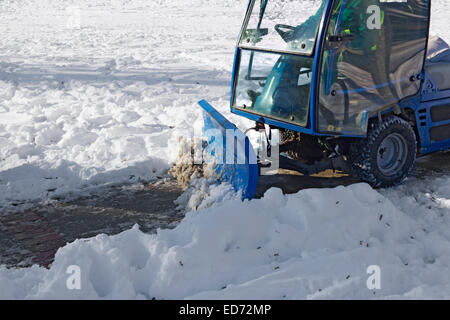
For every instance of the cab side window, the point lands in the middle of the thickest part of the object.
(373, 49)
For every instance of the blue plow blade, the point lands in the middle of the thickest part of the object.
(229, 152)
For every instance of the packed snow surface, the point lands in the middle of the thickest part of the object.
(95, 92)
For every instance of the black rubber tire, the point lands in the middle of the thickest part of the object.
(364, 153)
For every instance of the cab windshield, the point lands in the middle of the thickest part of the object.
(274, 75)
(283, 26)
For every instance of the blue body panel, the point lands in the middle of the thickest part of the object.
(242, 175)
(430, 97)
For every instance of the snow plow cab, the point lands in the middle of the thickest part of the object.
(353, 85)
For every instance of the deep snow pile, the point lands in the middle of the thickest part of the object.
(315, 244)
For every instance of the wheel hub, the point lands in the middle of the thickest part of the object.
(392, 154)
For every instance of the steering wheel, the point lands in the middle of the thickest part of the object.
(286, 35)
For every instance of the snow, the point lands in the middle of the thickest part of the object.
(104, 101)
(316, 244)
(103, 96)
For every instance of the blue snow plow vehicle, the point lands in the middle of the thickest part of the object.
(358, 86)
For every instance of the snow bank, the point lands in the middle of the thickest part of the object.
(311, 245)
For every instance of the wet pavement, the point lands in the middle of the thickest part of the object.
(292, 182)
(34, 236)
